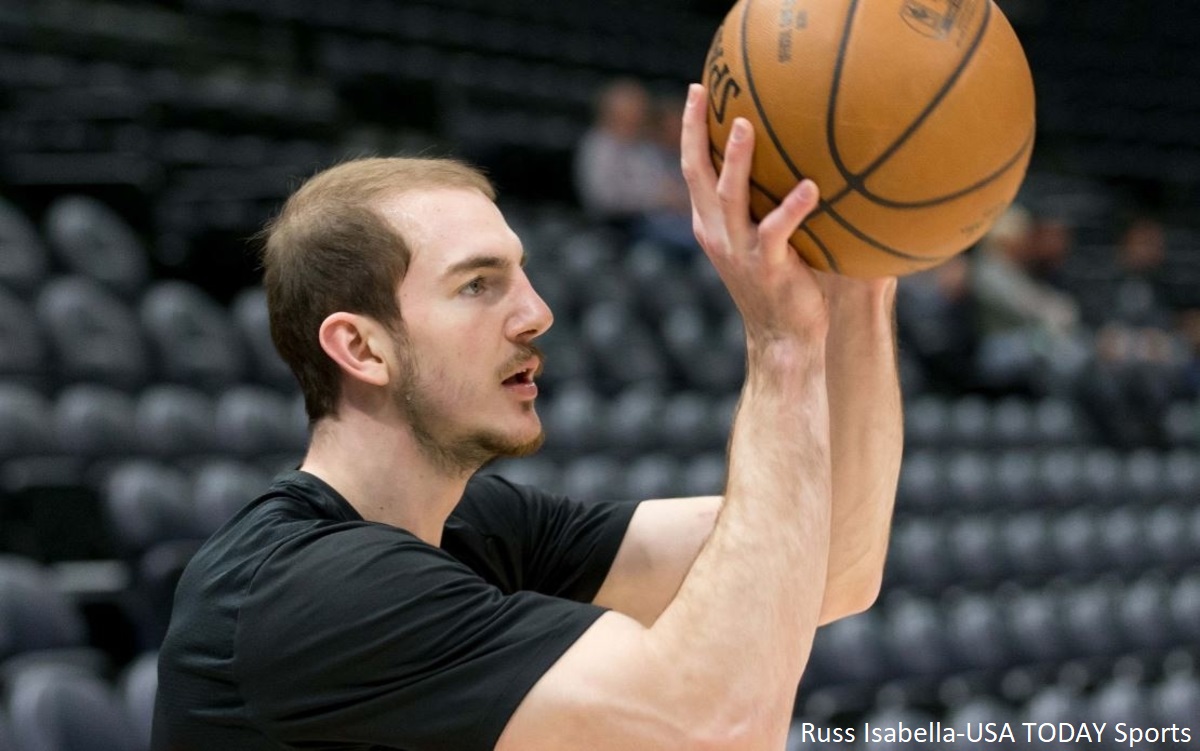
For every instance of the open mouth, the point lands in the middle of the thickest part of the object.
(520, 377)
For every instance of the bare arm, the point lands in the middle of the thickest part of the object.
(867, 440)
(720, 666)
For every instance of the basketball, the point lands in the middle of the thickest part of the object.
(914, 117)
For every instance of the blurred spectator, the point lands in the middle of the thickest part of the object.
(1031, 337)
(935, 316)
(1140, 357)
(627, 167)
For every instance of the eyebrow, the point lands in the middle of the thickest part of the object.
(474, 263)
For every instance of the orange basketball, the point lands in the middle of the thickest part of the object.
(914, 117)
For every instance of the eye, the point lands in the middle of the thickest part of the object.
(475, 287)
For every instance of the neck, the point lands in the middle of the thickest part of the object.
(385, 473)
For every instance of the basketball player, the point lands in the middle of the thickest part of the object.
(383, 596)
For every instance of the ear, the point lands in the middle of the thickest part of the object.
(359, 347)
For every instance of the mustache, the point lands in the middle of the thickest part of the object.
(525, 352)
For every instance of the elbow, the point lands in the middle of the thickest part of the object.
(852, 596)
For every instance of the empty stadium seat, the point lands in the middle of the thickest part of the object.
(137, 687)
(23, 355)
(33, 614)
(92, 240)
(221, 488)
(195, 342)
(249, 314)
(146, 503)
(175, 422)
(94, 336)
(255, 421)
(95, 421)
(24, 262)
(53, 709)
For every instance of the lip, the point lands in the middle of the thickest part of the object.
(525, 389)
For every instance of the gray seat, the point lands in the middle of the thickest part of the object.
(23, 355)
(975, 631)
(175, 421)
(249, 314)
(137, 687)
(972, 716)
(1035, 626)
(56, 709)
(192, 335)
(146, 503)
(633, 418)
(915, 636)
(26, 422)
(93, 334)
(593, 478)
(221, 488)
(24, 261)
(1177, 700)
(254, 421)
(95, 421)
(91, 239)
(34, 615)
(572, 419)
(652, 475)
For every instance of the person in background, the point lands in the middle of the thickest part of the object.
(627, 168)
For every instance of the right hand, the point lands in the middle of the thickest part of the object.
(777, 293)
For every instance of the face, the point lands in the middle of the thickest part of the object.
(466, 356)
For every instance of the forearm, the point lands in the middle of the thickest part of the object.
(867, 437)
(751, 601)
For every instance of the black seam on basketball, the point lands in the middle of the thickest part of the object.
(857, 182)
(762, 115)
(829, 257)
(1025, 147)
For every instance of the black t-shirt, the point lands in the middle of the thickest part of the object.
(300, 625)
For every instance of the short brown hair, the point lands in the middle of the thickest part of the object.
(330, 250)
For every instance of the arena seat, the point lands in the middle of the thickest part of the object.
(221, 488)
(136, 688)
(25, 422)
(52, 709)
(976, 634)
(249, 314)
(23, 355)
(192, 335)
(146, 502)
(972, 716)
(914, 635)
(572, 418)
(93, 334)
(652, 475)
(1144, 614)
(92, 240)
(596, 477)
(254, 421)
(95, 422)
(1035, 626)
(1176, 700)
(175, 422)
(631, 420)
(703, 474)
(33, 614)
(24, 261)
(1025, 540)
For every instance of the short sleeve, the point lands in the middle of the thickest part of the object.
(371, 637)
(526, 539)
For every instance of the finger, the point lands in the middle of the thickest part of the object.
(778, 226)
(733, 186)
(695, 160)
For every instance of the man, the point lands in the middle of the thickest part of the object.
(382, 597)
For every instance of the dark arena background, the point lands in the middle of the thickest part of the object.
(1045, 561)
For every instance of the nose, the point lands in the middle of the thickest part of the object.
(532, 317)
